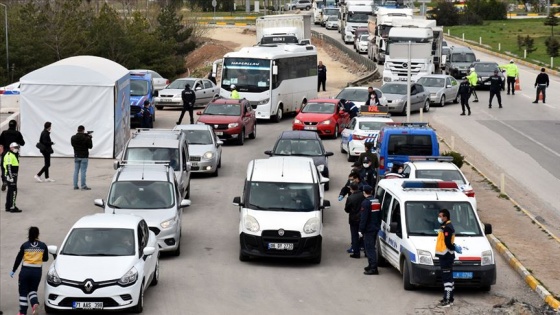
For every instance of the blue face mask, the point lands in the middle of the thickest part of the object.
(440, 220)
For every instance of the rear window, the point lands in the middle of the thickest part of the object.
(407, 144)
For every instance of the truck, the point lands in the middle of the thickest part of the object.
(328, 11)
(318, 9)
(353, 14)
(284, 29)
(425, 38)
(378, 28)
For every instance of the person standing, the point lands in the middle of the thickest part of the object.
(512, 73)
(11, 167)
(81, 142)
(353, 177)
(352, 207)
(370, 223)
(45, 140)
(445, 251)
(465, 93)
(8, 137)
(541, 83)
(146, 118)
(321, 76)
(496, 85)
(372, 98)
(189, 98)
(473, 81)
(369, 154)
(32, 253)
(367, 173)
(234, 93)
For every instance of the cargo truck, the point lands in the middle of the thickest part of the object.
(378, 28)
(353, 14)
(284, 29)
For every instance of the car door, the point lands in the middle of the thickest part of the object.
(347, 133)
(414, 97)
(246, 118)
(454, 87)
(184, 175)
(386, 247)
(199, 92)
(394, 239)
(142, 241)
(209, 90)
(343, 117)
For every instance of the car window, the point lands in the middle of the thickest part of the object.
(359, 95)
(421, 215)
(394, 89)
(320, 108)
(298, 147)
(371, 125)
(99, 242)
(198, 85)
(276, 196)
(199, 136)
(141, 195)
(208, 84)
(396, 216)
(403, 144)
(180, 84)
(445, 175)
(153, 154)
(156, 75)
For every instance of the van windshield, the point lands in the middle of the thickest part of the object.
(292, 197)
(421, 218)
(462, 57)
(409, 144)
(152, 155)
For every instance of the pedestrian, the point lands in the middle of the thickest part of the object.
(146, 117)
(352, 207)
(46, 150)
(445, 251)
(512, 74)
(81, 142)
(541, 83)
(189, 98)
(473, 81)
(349, 107)
(353, 177)
(32, 253)
(372, 99)
(465, 93)
(369, 154)
(496, 85)
(211, 77)
(370, 223)
(11, 169)
(367, 174)
(321, 76)
(234, 93)
(8, 137)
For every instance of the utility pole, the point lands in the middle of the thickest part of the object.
(6, 26)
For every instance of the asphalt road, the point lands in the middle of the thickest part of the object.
(208, 278)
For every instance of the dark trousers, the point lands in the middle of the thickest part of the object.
(45, 169)
(355, 237)
(29, 279)
(322, 81)
(541, 89)
(446, 264)
(12, 193)
(2, 165)
(473, 92)
(498, 96)
(186, 108)
(511, 82)
(369, 245)
(465, 103)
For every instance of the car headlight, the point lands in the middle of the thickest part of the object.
(487, 258)
(433, 94)
(297, 121)
(400, 100)
(425, 257)
(53, 278)
(326, 122)
(232, 125)
(208, 155)
(263, 102)
(251, 224)
(311, 226)
(129, 278)
(321, 168)
(167, 223)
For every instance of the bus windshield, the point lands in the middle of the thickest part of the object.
(248, 74)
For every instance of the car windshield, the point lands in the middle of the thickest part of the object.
(354, 95)
(138, 87)
(160, 155)
(321, 108)
(199, 136)
(295, 197)
(462, 57)
(364, 38)
(407, 144)
(421, 218)
(144, 195)
(371, 125)
(446, 175)
(432, 82)
(223, 109)
(354, 17)
(99, 242)
(485, 67)
(394, 89)
(180, 84)
(298, 147)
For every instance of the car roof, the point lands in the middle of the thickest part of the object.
(433, 165)
(324, 100)
(299, 134)
(144, 172)
(192, 127)
(373, 118)
(422, 194)
(287, 169)
(155, 138)
(107, 220)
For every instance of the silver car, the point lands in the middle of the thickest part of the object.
(299, 4)
(442, 88)
(171, 95)
(205, 149)
(159, 82)
(359, 95)
(331, 22)
(395, 92)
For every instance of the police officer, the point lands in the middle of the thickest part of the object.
(473, 81)
(321, 76)
(234, 93)
(496, 85)
(350, 108)
(7, 137)
(189, 98)
(370, 223)
(353, 177)
(33, 253)
(352, 207)
(465, 93)
(512, 73)
(11, 168)
(445, 251)
(145, 115)
(367, 173)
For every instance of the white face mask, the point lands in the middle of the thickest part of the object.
(15, 150)
(440, 220)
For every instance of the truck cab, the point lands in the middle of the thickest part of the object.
(141, 89)
(354, 14)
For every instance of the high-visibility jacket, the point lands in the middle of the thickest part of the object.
(473, 78)
(235, 94)
(10, 163)
(445, 242)
(511, 70)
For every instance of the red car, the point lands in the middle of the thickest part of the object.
(231, 119)
(324, 115)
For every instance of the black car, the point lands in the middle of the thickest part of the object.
(303, 143)
(484, 70)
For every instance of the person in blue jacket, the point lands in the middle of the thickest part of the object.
(349, 107)
(370, 223)
(146, 117)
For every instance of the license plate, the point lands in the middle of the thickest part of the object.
(310, 127)
(167, 100)
(219, 133)
(403, 79)
(281, 246)
(462, 275)
(194, 164)
(88, 305)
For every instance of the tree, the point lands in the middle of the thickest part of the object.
(445, 13)
(552, 46)
(552, 21)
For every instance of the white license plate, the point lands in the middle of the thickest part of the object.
(462, 275)
(167, 100)
(194, 163)
(310, 127)
(403, 79)
(88, 305)
(281, 246)
(219, 133)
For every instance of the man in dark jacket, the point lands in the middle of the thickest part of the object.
(189, 98)
(541, 83)
(8, 137)
(465, 93)
(81, 142)
(370, 223)
(349, 107)
(367, 173)
(368, 153)
(321, 76)
(353, 177)
(352, 207)
(496, 85)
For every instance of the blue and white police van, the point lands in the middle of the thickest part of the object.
(141, 89)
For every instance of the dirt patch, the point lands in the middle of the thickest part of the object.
(199, 62)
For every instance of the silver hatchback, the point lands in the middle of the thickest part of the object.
(205, 149)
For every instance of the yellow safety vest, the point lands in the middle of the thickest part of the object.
(473, 78)
(235, 94)
(441, 249)
(511, 70)
(10, 159)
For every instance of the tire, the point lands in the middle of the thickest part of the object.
(241, 138)
(155, 279)
(215, 174)
(442, 101)
(336, 131)
(253, 134)
(485, 288)
(381, 262)
(427, 106)
(278, 117)
(403, 112)
(243, 257)
(159, 107)
(327, 186)
(406, 277)
(139, 308)
(177, 252)
(307, 8)
(49, 310)
(317, 259)
(349, 157)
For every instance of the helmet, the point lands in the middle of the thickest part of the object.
(511, 61)
(472, 69)
(232, 86)
(342, 100)
(14, 145)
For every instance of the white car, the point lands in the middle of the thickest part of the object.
(439, 167)
(359, 95)
(362, 45)
(106, 262)
(205, 148)
(11, 89)
(361, 129)
(331, 22)
(171, 95)
(158, 81)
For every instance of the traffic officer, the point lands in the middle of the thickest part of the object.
(6, 138)
(350, 108)
(370, 223)
(189, 98)
(445, 250)
(465, 93)
(11, 168)
(234, 93)
(512, 73)
(352, 207)
(541, 83)
(367, 173)
(496, 85)
(473, 81)
(33, 253)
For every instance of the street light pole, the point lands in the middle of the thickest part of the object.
(6, 26)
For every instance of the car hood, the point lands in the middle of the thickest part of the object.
(200, 149)
(215, 119)
(488, 74)
(433, 89)
(275, 220)
(138, 100)
(79, 268)
(169, 92)
(392, 97)
(313, 117)
(153, 217)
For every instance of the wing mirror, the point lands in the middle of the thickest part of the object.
(99, 202)
(268, 152)
(185, 203)
(53, 249)
(237, 201)
(149, 250)
(199, 112)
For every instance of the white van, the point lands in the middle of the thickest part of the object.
(281, 209)
(409, 228)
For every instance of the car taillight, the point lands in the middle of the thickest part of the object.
(166, 82)
(358, 137)
(382, 163)
(469, 193)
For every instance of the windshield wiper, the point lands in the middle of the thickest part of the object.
(258, 207)
(99, 254)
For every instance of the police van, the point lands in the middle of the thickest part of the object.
(409, 229)
(281, 209)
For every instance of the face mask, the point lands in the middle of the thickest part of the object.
(16, 150)
(440, 220)
(366, 165)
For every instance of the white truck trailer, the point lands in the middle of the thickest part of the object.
(378, 28)
(284, 29)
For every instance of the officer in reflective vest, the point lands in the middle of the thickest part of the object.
(11, 168)
(445, 251)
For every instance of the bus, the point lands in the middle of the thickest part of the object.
(275, 79)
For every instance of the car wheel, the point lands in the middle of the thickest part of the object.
(349, 157)
(139, 308)
(241, 138)
(253, 134)
(215, 174)
(403, 112)
(317, 259)
(278, 117)
(220, 163)
(427, 106)
(442, 101)
(159, 107)
(342, 148)
(381, 262)
(456, 100)
(243, 257)
(406, 277)
(335, 134)
(327, 186)
(155, 279)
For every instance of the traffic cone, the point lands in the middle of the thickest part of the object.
(540, 96)
(517, 85)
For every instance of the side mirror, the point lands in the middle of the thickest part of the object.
(448, 86)
(156, 93)
(219, 143)
(275, 70)
(268, 152)
(237, 201)
(53, 249)
(199, 112)
(99, 202)
(393, 227)
(326, 204)
(116, 165)
(487, 228)
(185, 203)
(149, 250)
(189, 165)
(329, 153)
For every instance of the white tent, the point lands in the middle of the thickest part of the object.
(82, 90)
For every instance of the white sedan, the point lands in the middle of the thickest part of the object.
(359, 95)
(204, 89)
(159, 82)
(361, 129)
(106, 262)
